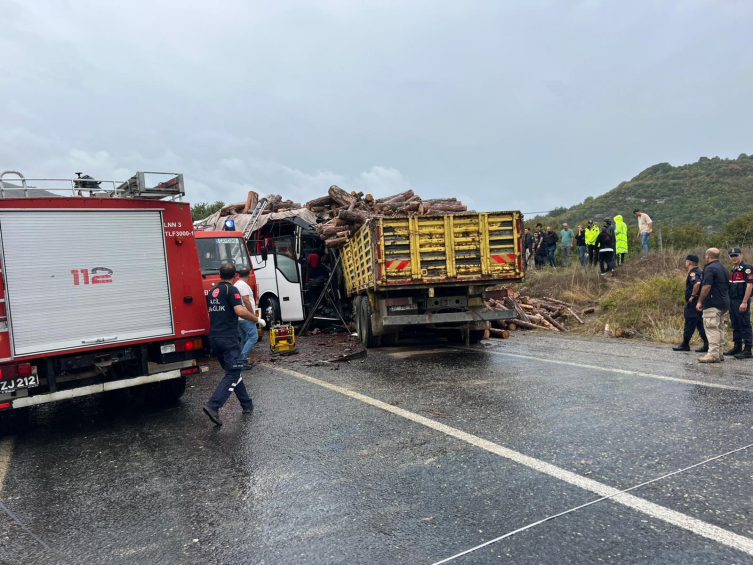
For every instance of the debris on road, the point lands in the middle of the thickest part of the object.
(316, 350)
(532, 313)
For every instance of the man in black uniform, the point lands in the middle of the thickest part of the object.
(225, 307)
(529, 248)
(693, 318)
(740, 287)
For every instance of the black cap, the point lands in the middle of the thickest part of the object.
(590, 222)
(734, 251)
(692, 258)
(607, 220)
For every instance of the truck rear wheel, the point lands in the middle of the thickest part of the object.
(357, 316)
(367, 336)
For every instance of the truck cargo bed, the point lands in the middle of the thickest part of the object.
(433, 250)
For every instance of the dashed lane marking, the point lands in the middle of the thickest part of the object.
(604, 368)
(678, 519)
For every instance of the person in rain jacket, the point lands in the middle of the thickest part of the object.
(620, 239)
(592, 232)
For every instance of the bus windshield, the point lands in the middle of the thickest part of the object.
(216, 251)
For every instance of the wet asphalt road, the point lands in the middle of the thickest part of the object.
(315, 476)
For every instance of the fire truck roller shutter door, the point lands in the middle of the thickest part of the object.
(77, 278)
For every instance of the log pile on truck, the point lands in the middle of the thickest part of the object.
(343, 213)
(530, 314)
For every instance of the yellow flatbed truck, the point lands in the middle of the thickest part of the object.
(432, 271)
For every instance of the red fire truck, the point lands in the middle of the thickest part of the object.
(100, 289)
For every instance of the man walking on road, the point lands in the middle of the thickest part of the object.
(225, 307)
(580, 243)
(714, 302)
(566, 245)
(645, 227)
(550, 240)
(620, 239)
(693, 318)
(592, 232)
(740, 287)
(248, 333)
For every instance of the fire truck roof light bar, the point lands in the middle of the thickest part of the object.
(135, 187)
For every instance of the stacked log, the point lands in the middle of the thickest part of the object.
(531, 313)
(341, 213)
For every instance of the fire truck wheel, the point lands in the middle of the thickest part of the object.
(367, 337)
(13, 420)
(271, 311)
(163, 392)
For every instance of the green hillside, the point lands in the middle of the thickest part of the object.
(710, 193)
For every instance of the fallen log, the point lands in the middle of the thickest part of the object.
(512, 326)
(336, 242)
(433, 201)
(526, 325)
(352, 216)
(402, 196)
(321, 201)
(251, 201)
(340, 196)
(574, 315)
(513, 305)
(547, 298)
(445, 208)
(503, 334)
(273, 200)
(369, 199)
(589, 310)
(554, 322)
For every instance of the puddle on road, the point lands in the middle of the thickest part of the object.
(405, 353)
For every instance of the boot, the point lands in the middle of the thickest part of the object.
(704, 348)
(746, 353)
(684, 346)
(710, 359)
(735, 350)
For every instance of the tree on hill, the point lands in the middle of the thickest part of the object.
(201, 210)
(709, 193)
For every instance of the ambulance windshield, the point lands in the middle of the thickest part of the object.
(216, 251)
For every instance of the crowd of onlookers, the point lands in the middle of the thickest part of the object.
(606, 246)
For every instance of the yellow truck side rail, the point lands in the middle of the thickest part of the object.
(427, 250)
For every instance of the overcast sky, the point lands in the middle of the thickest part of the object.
(509, 105)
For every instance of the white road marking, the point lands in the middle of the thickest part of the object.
(610, 369)
(6, 450)
(694, 525)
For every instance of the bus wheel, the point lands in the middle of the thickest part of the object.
(270, 311)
